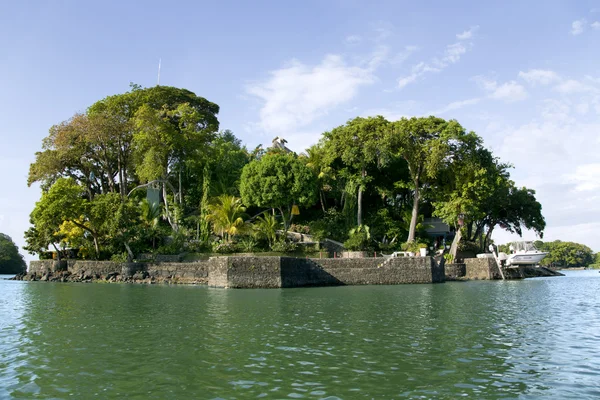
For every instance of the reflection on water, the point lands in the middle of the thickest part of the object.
(479, 339)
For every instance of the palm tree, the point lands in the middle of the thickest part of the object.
(150, 214)
(266, 227)
(316, 160)
(225, 213)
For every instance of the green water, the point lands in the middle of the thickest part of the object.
(484, 340)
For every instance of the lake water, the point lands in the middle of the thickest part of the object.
(484, 340)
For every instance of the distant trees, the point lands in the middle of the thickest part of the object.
(566, 254)
(11, 262)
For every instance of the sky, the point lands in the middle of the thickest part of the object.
(525, 76)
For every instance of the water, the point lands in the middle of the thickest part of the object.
(485, 340)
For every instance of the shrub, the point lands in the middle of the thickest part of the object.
(284, 247)
(224, 248)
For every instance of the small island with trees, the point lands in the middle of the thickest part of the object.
(148, 172)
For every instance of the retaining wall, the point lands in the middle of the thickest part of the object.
(259, 272)
(481, 268)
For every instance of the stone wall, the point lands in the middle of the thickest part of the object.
(455, 271)
(256, 272)
(377, 271)
(245, 272)
(192, 272)
(42, 267)
(481, 268)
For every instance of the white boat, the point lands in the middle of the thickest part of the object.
(524, 253)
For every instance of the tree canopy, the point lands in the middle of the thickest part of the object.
(149, 171)
(11, 262)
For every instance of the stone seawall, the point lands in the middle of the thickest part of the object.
(248, 272)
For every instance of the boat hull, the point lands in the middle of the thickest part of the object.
(525, 258)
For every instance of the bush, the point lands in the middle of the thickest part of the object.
(119, 257)
(224, 248)
(414, 246)
(305, 229)
(359, 241)
(284, 247)
(470, 247)
(248, 244)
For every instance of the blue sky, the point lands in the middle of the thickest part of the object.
(524, 75)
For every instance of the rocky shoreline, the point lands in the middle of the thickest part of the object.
(141, 277)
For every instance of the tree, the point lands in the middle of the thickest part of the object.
(566, 254)
(278, 181)
(358, 144)
(316, 160)
(225, 213)
(11, 262)
(65, 201)
(426, 144)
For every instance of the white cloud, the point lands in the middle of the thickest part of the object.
(402, 82)
(404, 54)
(577, 27)
(353, 39)
(572, 86)
(452, 54)
(539, 76)
(467, 34)
(509, 92)
(585, 177)
(455, 105)
(297, 94)
(383, 30)
(596, 25)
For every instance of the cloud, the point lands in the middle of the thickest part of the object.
(572, 86)
(297, 94)
(455, 105)
(452, 54)
(577, 27)
(509, 92)
(585, 177)
(595, 25)
(539, 76)
(467, 34)
(383, 30)
(404, 54)
(402, 82)
(353, 39)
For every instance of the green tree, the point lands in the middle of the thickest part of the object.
(11, 262)
(278, 181)
(426, 144)
(226, 215)
(266, 227)
(359, 146)
(567, 254)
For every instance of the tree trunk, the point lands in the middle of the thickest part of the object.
(167, 212)
(488, 235)
(180, 194)
(415, 215)
(321, 199)
(129, 252)
(454, 247)
(359, 213)
(96, 247)
(57, 252)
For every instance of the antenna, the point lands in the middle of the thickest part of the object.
(158, 81)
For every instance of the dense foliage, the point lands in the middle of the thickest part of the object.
(148, 171)
(11, 262)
